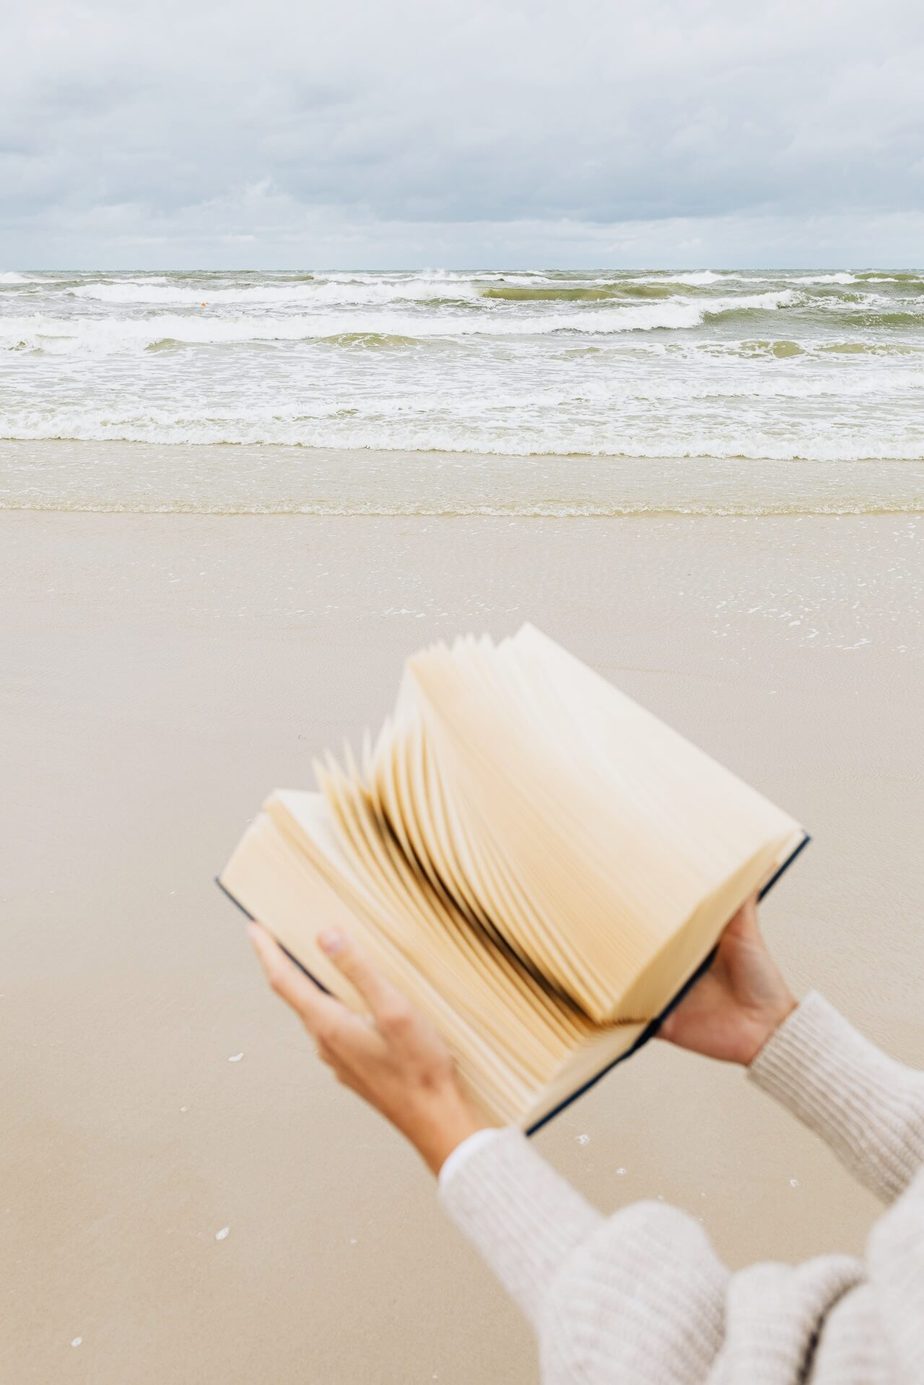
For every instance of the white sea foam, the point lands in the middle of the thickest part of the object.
(394, 429)
(841, 277)
(104, 335)
(340, 292)
(705, 278)
(699, 278)
(750, 367)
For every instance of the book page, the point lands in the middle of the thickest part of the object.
(595, 844)
(480, 979)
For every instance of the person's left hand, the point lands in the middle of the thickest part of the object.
(739, 1002)
(393, 1058)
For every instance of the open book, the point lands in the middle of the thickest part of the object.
(540, 864)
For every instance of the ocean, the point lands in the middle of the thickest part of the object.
(526, 391)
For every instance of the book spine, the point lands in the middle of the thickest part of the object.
(248, 915)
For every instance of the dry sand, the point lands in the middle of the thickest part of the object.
(160, 674)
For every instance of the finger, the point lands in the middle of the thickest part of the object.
(319, 1011)
(745, 923)
(667, 1027)
(384, 1000)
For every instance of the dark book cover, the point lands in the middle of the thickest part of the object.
(647, 1033)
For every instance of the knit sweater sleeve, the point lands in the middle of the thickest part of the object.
(645, 1282)
(868, 1107)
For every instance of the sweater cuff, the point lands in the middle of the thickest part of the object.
(518, 1212)
(869, 1108)
(465, 1150)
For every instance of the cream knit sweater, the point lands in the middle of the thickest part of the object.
(642, 1297)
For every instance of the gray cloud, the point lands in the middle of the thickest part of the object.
(152, 133)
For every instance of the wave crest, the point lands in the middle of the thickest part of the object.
(104, 335)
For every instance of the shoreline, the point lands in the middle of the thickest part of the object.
(269, 479)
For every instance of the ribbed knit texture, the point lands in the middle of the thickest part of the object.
(641, 1297)
(868, 1108)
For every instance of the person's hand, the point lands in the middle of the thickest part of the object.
(736, 1005)
(393, 1058)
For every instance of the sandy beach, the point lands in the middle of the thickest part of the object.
(187, 1194)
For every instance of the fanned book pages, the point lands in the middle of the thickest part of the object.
(540, 864)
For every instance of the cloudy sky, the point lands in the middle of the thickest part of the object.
(461, 133)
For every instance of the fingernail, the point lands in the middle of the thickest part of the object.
(330, 941)
(253, 929)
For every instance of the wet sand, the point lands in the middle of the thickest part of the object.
(161, 673)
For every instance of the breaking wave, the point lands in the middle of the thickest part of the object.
(749, 366)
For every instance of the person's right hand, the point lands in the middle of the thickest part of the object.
(736, 1005)
(393, 1057)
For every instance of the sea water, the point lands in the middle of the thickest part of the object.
(526, 391)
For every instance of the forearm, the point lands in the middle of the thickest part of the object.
(627, 1297)
(869, 1108)
(522, 1216)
